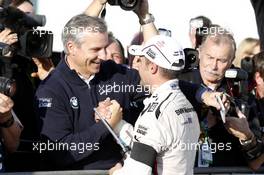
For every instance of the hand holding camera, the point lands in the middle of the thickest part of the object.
(7, 37)
(6, 104)
(239, 127)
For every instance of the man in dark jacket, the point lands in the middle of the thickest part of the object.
(66, 98)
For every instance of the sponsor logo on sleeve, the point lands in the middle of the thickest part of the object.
(44, 102)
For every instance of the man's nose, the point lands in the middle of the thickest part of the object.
(102, 54)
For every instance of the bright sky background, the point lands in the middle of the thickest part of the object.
(236, 15)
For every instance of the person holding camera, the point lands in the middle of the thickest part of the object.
(10, 129)
(216, 53)
(19, 68)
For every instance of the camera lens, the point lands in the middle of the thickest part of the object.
(128, 4)
(7, 86)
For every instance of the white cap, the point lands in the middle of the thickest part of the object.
(161, 50)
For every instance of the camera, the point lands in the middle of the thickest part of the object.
(4, 49)
(191, 59)
(7, 86)
(31, 42)
(125, 4)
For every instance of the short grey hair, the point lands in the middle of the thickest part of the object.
(78, 25)
(220, 35)
(166, 73)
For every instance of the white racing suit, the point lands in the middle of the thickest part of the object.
(165, 135)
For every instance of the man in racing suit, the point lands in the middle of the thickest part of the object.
(166, 133)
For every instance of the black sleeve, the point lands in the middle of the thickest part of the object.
(56, 126)
(258, 6)
(190, 90)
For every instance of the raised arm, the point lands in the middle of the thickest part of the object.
(95, 8)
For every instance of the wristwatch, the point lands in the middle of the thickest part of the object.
(149, 18)
(248, 144)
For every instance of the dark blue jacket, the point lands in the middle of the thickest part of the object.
(65, 107)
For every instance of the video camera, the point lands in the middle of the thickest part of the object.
(31, 42)
(125, 4)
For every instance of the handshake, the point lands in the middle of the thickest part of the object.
(110, 110)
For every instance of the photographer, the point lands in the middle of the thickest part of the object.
(19, 68)
(10, 128)
(216, 54)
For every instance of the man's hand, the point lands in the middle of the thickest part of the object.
(7, 37)
(44, 65)
(209, 98)
(95, 8)
(102, 1)
(103, 109)
(111, 110)
(6, 104)
(239, 126)
(116, 113)
(116, 167)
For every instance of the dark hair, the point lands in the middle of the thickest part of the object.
(112, 38)
(165, 73)
(206, 22)
(258, 62)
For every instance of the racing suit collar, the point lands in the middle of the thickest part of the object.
(165, 87)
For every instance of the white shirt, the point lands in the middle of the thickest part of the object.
(168, 124)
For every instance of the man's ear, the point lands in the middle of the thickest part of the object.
(153, 68)
(259, 80)
(71, 47)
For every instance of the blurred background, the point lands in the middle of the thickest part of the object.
(236, 15)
